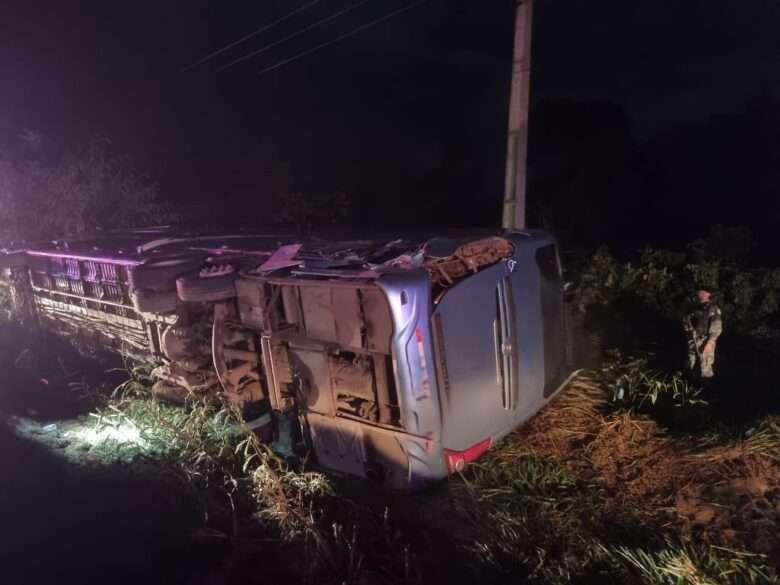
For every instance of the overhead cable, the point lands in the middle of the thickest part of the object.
(305, 29)
(341, 37)
(250, 35)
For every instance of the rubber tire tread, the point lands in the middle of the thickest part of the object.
(160, 274)
(194, 289)
(148, 301)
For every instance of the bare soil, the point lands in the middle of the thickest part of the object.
(719, 493)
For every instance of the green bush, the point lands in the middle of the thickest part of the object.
(664, 281)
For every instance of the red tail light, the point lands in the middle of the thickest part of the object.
(456, 460)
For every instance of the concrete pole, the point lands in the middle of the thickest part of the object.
(513, 216)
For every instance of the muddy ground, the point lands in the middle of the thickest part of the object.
(713, 487)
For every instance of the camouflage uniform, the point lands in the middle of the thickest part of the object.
(703, 326)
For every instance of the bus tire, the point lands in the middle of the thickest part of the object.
(194, 288)
(159, 274)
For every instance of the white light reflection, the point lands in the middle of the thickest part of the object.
(124, 433)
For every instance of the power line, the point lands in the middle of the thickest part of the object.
(341, 37)
(295, 34)
(250, 35)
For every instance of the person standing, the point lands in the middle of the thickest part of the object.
(703, 326)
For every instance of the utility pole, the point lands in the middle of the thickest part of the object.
(513, 216)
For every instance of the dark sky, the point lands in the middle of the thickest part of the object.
(416, 104)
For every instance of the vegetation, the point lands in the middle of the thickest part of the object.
(305, 211)
(678, 564)
(631, 384)
(206, 440)
(591, 489)
(237, 478)
(661, 282)
(45, 193)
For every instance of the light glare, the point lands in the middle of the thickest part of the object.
(125, 433)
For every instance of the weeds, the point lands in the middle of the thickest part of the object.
(759, 443)
(688, 565)
(519, 479)
(290, 499)
(533, 518)
(765, 438)
(209, 444)
(576, 495)
(632, 384)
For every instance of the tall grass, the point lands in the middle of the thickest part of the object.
(518, 514)
(684, 564)
(207, 441)
(630, 383)
(765, 438)
(533, 519)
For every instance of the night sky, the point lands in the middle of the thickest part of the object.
(408, 117)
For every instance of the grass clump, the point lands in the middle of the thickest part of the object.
(534, 519)
(199, 438)
(207, 441)
(292, 511)
(288, 499)
(630, 383)
(764, 439)
(521, 479)
(684, 564)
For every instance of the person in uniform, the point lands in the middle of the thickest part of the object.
(703, 326)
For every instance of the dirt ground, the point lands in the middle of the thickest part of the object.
(710, 490)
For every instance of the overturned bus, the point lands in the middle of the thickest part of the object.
(397, 359)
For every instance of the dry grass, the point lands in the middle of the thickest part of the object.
(688, 565)
(723, 492)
